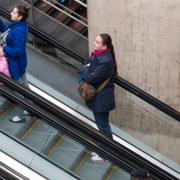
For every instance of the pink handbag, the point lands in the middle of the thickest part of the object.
(4, 66)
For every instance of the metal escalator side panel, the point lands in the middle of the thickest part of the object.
(75, 126)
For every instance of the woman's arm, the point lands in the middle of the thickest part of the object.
(86, 63)
(100, 73)
(18, 44)
(3, 26)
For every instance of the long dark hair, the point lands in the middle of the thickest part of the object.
(23, 11)
(106, 40)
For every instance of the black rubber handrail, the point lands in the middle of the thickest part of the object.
(75, 128)
(148, 98)
(119, 80)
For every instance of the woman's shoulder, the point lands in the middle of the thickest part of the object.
(20, 29)
(18, 25)
(105, 57)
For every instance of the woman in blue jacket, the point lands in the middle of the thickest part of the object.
(15, 48)
(99, 67)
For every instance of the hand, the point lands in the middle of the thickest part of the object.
(1, 51)
(88, 65)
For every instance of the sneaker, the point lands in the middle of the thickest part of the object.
(93, 154)
(26, 113)
(97, 159)
(17, 119)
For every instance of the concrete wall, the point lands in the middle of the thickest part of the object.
(146, 36)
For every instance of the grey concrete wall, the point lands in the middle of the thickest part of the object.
(146, 35)
(147, 124)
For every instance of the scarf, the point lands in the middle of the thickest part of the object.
(98, 52)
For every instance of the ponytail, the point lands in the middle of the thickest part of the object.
(114, 58)
(108, 42)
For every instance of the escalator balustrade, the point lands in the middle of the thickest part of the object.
(56, 146)
(69, 7)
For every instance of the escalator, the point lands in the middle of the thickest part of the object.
(50, 142)
(59, 32)
(77, 12)
(35, 125)
(58, 137)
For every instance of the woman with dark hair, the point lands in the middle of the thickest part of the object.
(98, 68)
(13, 45)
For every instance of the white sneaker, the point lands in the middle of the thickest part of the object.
(93, 154)
(26, 113)
(97, 159)
(17, 119)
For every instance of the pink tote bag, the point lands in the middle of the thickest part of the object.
(4, 66)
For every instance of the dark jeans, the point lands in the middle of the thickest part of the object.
(102, 122)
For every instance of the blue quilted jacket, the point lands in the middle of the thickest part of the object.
(15, 50)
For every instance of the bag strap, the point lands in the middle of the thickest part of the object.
(103, 84)
(4, 33)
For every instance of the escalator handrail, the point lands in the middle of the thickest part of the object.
(61, 11)
(119, 80)
(14, 169)
(95, 139)
(148, 98)
(81, 3)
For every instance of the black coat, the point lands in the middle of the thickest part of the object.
(101, 67)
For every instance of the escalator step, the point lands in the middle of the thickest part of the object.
(67, 152)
